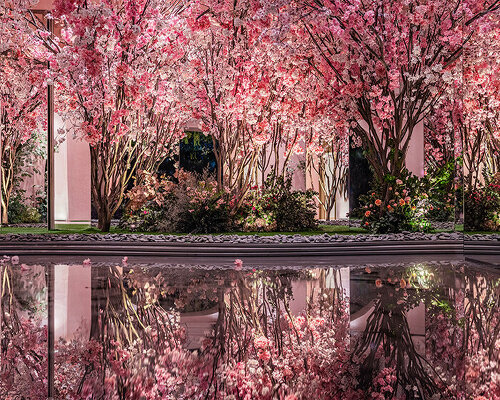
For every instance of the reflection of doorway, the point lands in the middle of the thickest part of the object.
(360, 176)
(196, 153)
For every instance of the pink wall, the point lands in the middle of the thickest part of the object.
(415, 158)
(72, 180)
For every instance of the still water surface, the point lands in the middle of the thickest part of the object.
(137, 331)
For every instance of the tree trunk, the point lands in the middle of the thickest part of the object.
(4, 216)
(104, 218)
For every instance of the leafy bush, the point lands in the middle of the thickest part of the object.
(208, 211)
(277, 207)
(404, 208)
(16, 208)
(438, 183)
(21, 213)
(482, 206)
(295, 210)
(193, 205)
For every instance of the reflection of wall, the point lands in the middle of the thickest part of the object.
(331, 278)
(72, 300)
(198, 326)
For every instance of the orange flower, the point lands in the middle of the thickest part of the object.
(389, 207)
(402, 283)
(367, 214)
(402, 202)
(378, 283)
(378, 202)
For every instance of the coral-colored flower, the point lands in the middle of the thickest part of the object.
(367, 214)
(378, 283)
(402, 283)
(378, 202)
(402, 202)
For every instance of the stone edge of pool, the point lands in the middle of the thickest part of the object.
(252, 246)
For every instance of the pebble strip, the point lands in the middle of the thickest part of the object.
(250, 239)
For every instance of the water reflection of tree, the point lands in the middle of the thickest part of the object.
(23, 343)
(257, 305)
(387, 340)
(462, 332)
(482, 312)
(137, 321)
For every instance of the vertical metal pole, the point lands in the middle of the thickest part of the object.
(1, 178)
(50, 330)
(50, 146)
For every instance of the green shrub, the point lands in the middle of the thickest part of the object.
(403, 207)
(30, 215)
(482, 206)
(438, 183)
(16, 208)
(193, 205)
(21, 213)
(276, 207)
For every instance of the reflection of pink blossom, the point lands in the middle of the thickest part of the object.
(261, 342)
(264, 355)
(14, 260)
(238, 264)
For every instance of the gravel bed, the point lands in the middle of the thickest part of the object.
(340, 222)
(250, 239)
(357, 223)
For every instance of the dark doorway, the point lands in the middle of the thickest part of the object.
(196, 153)
(360, 176)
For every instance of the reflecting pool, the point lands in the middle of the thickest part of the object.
(125, 330)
